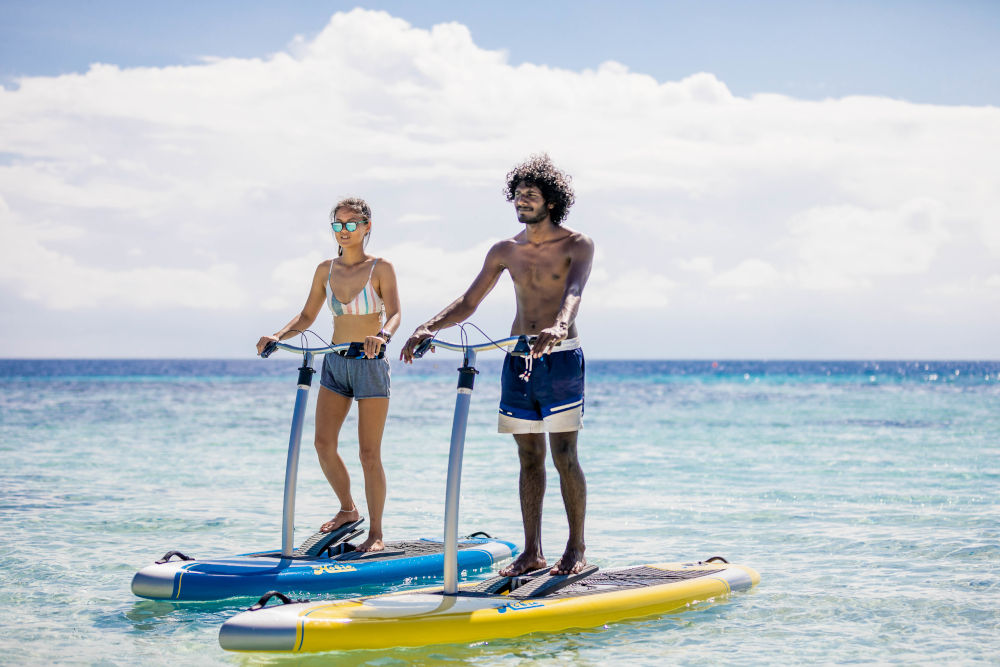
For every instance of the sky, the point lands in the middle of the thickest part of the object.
(775, 180)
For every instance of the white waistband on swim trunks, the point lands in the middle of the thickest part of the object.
(564, 345)
(567, 344)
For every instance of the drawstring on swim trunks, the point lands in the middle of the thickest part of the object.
(527, 370)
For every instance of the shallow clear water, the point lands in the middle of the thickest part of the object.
(866, 495)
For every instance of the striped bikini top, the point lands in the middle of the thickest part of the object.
(366, 302)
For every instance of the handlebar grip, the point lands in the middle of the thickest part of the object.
(421, 349)
(268, 349)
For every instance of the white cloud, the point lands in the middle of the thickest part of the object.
(750, 274)
(290, 282)
(431, 277)
(973, 287)
(845, 246)
(36, 273)
(417, 218)
(700, 265)
(195, 187)
(639, 289)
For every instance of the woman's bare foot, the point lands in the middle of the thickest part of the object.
(572, 562)
(523, 563)
(343, 518)
(373, 543)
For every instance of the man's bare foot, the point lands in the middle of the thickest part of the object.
(371, 544)
(572, 562)
(523, 563)
(343, 518)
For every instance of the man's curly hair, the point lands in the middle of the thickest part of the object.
(556, 185)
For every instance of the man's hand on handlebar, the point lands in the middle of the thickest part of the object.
(409, 351)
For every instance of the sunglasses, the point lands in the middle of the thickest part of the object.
(351, 226)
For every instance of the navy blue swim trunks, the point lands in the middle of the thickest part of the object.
(543, 395)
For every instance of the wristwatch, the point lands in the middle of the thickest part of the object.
(385, 335)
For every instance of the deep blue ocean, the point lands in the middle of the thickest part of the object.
(867, 495)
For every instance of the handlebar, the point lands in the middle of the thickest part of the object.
(520, 344)
(521, 347)
(272, 346)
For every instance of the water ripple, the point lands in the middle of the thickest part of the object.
(865, 493)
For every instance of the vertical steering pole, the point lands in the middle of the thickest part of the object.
(466, 380)
(292, 464)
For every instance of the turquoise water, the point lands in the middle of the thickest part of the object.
(865, 494)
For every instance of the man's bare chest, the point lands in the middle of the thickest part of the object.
(539, 269)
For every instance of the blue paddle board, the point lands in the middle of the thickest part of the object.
(316, 570)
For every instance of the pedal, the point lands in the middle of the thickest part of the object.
(499, 585)
(319, 542)
(550, 583)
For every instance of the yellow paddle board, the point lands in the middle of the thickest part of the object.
(478, 612)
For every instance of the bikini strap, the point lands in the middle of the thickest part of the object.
(328, 287)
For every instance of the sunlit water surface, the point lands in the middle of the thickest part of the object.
(865, 494)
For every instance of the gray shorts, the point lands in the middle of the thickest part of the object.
(355, 378)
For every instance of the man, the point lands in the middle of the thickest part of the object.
(549, 264)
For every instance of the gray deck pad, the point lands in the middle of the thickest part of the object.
(539, 583)
(406, 549)
(633, 577)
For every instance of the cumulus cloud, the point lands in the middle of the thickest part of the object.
(750, 274)
(59, 281)
(639, 289)
(418, 218)
(206, 187)
(699, 265)
(845, 246)
(431, 277)
(291, 280)
(987, 289)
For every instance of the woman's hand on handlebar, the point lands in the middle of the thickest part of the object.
(264, 340)
(372, 345)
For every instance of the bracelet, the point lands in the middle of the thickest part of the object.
(383, 334)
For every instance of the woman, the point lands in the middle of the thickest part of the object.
(360, 290)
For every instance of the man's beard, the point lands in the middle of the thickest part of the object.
(538, 217)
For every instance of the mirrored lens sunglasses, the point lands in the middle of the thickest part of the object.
(351, 226)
